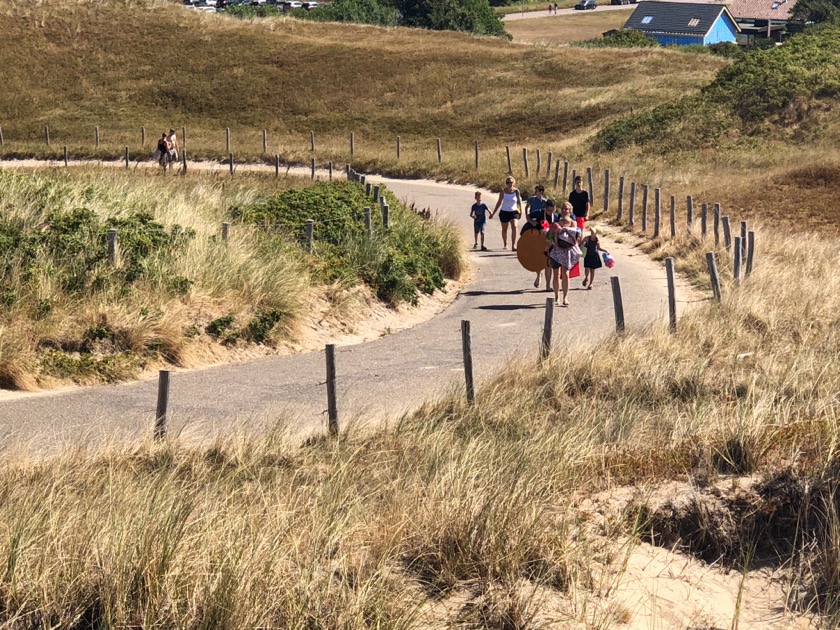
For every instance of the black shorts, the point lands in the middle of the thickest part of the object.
(553, 263)
(506, 216)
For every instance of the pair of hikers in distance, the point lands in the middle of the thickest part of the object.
(563, 231)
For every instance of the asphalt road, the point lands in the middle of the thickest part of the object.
(377, 380)
(530, 15)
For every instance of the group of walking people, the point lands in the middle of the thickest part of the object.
(561, 228)
(167, 148)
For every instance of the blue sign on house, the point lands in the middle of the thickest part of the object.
(682, 23)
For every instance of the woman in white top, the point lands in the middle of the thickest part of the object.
(510, 202)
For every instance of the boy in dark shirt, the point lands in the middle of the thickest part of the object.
(478, 213)
(579, 199)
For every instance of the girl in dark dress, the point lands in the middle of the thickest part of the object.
(592, 260)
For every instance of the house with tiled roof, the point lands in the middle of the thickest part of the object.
(762, 18)
(684, 23)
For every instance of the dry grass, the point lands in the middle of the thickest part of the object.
(562, 29)
(463, 515)
(291, 77)
(94, 323)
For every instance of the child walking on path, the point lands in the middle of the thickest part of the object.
(592, 260)
(478, 213)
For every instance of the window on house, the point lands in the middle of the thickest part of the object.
(694, 22)
(647, 19)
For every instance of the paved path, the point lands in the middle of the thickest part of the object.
(376, 380)
(602, 6)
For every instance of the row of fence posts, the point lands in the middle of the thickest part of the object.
(742, 248)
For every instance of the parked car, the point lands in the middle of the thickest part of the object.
(310, 5)
(292, 5)
(622, 1)
(583, 5)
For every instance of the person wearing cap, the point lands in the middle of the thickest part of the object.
(173, 144)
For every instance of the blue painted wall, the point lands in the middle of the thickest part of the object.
(724, 30)
(677, 40)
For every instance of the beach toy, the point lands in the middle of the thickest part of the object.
(609, 261)
(530, 250)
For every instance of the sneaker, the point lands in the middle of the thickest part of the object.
(475, 246)
(584, 283)
(484, 249)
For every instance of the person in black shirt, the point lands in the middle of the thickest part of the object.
(579, 199)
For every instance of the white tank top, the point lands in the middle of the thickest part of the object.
(509, 201)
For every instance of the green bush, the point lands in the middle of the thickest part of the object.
(773, 86)
(413, 256)
(246, 11)
(629, 38)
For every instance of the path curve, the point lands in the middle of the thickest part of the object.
(377, 380)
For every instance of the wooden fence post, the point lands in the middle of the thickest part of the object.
(539, 163)
(525, 160)
(507, 153)
(329, 169)
(476, 155)
(276, 165)
(142, 136)
(162, 409)
(399, 147)
(716, 224)
(736, 262)
(225, 232)
(184, 162)
(312, 169)
(466, 345)
(368, 223)
(376, 194)
(310, 235)
(96, 136)
(550, 161)
(556, 173)
(743, 238)
(126, 157)
(439, 150)
(368, 189)
(265, 140)
(727, 233)
(227, 139)
(590, 189)
(183, 139)
(644, 207)
(66, 160)
(565, 176)
(672, 295)
(606, 190)
(332, 401)
(673, 217)
(112, 246)
(230, 161)
(631, 211)
(620, 212)
(657, 211)
(1, 136)
(750, 252)
(386, 216)
(618, 305)
(713, 275)
(352, 144)
(704, 220)
(47, 135)
(689, 207)
(545, 345)
(312, 141)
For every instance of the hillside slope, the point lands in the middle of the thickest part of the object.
(120, 65)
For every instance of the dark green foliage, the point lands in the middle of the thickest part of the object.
(358, 11)
(259, 328)
(470, 16)
(246, 11)
(87, 368)
(817, 11)
(70, 249)
(398, 263)
(629, 38)
(219, 326)
(776, 86)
